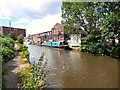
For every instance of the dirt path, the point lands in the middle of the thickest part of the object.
(11, 78)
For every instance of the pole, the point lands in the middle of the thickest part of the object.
(9, 23)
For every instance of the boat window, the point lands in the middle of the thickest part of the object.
(60, 43)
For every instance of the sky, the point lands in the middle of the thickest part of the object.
(35, 16)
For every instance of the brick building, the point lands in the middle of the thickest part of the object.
(41, 37)
(4, 30)
(58, 32)
(35, 38)
(45, 36)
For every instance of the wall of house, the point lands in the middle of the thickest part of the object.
(20, 31)
(7, 30)
(35, 38)
(41, 37)
(75, 40)
(58, 32)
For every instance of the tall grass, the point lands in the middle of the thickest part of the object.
(35, 74)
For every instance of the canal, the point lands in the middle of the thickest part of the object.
(74, 69)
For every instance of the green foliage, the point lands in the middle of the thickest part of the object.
(100, 21)
(22, 47)
(24, 50)
(25, 54)
(34, 78)
(12, 35)
(20, 39)
(7, 53)
(7, 48)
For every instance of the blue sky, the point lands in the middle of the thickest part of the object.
(34, 15)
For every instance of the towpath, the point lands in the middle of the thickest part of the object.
(11, 78)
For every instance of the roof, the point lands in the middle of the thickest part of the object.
(11, 27)
(40, 33)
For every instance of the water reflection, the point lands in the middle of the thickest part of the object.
(73, 69)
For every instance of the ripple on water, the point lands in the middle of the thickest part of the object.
(73, 69)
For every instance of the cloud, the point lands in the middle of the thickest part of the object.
(32, 9)
(34, 15)
(44, 24)
(6, 18)
(21, 20)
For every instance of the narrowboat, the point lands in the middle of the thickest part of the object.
(57, 44)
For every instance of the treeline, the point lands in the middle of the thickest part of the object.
(99, 24)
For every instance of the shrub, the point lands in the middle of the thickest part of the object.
(24, 51)
(102, 47)
(20, 39)
(33, 76)
(23, 61)
(22, 47)
(7, 53)
(7, 42)
(7, 48)
(12, 35)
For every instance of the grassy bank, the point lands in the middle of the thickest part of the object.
(18, 68)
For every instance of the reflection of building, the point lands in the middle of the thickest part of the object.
(4, 30)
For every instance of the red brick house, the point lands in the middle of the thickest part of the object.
(58, 32)
(45, 36)
(41, 37)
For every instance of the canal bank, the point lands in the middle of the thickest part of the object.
(11, 68)
(74, 69)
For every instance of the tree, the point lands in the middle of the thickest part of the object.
(100, 21)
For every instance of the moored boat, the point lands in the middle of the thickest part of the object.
(57, 44)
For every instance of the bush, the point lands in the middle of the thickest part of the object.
(102, 47)
(20, 39)
(12, 35)
(7, 42)
(22, 47)
(7, 53)
(115, 51)
(24, 54)
(32, 76)
(23, 61)
(7, 48)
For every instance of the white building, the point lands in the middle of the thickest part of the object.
(75, 40)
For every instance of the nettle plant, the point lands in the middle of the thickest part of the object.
(36, 74)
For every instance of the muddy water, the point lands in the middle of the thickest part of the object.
(73, 69)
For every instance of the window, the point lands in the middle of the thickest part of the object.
(59, 29)
(61, 32)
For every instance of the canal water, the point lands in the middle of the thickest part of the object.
(74, 69)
